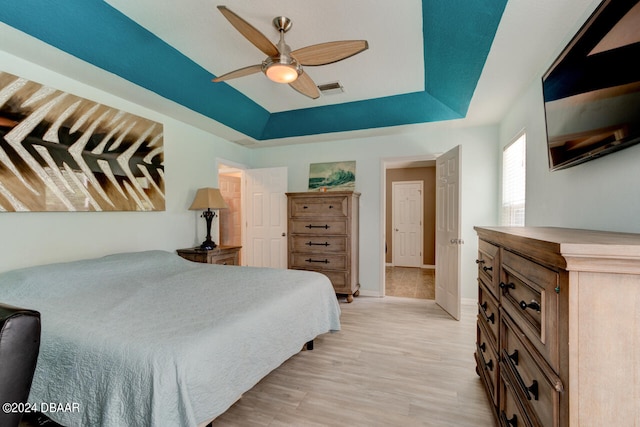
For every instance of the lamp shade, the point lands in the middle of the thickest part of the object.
(208, 198)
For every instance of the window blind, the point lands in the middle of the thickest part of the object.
(514, 166)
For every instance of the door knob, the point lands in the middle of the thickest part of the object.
(284, 234)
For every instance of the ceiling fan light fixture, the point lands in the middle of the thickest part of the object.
(281, 71)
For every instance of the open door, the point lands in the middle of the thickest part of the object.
(448, 239)
(266, 215)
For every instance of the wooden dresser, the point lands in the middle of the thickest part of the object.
(558, 331)
(224, 255)
(323, 237)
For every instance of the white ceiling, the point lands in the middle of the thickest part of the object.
(393, 30)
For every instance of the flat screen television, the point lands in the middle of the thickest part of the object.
(592, 90)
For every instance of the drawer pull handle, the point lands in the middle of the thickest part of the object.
(480, 261)
(305, 207)
(310, 226)
(489, 365)
(534, 305)
(317, 244)
(491, 318)
(510, 422)
(483, 347)
(514, 356)
(485, 268)
(533, 389)
(530, 390)
(324, 261)
(507, 285)
(330, 206)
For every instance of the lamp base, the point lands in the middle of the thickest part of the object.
(208, 245)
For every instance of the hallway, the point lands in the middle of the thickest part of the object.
(410, 282)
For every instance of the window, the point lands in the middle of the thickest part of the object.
(514, 166)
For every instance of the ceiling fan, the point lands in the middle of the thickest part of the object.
(283, 65)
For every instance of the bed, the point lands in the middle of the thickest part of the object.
(149, 338)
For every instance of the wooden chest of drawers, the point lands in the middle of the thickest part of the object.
(558, 340)
(323, 237)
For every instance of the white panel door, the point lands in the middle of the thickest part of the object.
(407, 223)
(448, 239)
(266, 215)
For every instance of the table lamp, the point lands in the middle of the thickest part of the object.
(208, 198)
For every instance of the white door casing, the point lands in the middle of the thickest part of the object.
(407, 200)
(266, 216)
(448, 239)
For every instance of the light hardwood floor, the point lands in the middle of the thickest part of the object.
(396, 362)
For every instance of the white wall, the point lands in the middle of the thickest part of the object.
(479, 183)
(30, 238)
(602, 194)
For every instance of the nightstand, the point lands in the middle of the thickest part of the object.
(224, 255)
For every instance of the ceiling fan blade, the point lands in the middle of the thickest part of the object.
(241, 72)
(258, 39)
(330, 52)
(305, 86)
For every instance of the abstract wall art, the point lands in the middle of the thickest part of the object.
(334, 176)
(60, 152)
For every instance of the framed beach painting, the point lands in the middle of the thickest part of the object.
(334, 176)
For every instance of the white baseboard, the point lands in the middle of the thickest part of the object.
(368, 293)
(376, 294)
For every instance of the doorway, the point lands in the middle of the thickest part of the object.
(230, 220)
(410, 242)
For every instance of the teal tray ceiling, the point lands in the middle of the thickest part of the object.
(457, 38)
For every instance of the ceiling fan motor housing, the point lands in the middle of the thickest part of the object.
(282, 68)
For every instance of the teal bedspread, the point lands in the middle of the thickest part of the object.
(150, 339)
